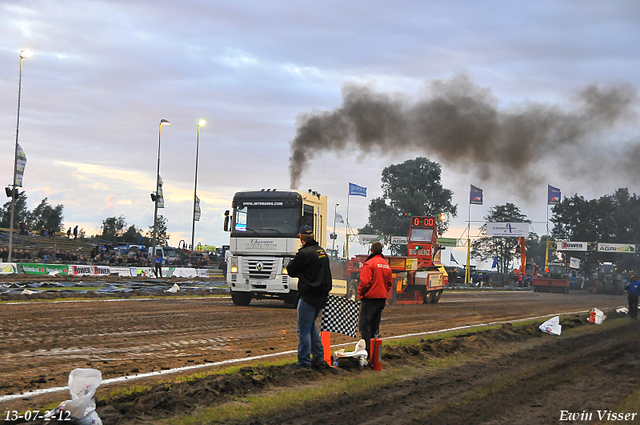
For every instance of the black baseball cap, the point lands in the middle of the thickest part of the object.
(306, 230)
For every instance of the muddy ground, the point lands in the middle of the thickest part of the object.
(527, 377)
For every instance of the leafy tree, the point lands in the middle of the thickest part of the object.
(504, 248)
(162, 237)
(20, 211)
(113, 228)
(613, 218)
(45, 216)
(133, 235)
(412, 187)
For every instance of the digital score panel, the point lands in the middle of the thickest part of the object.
(423, 222)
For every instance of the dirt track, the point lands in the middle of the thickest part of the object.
(42, 342)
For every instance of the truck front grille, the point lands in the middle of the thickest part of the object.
(260, 268)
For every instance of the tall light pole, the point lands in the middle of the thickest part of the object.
(334, 236)
(195, 186)
(155, 198)
(24, 53)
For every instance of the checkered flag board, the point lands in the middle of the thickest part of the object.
(340, 315)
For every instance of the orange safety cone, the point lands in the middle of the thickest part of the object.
(376, 349)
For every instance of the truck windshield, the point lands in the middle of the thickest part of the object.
(421, 235)
(266, 221)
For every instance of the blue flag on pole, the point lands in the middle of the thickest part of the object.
(452, 259)
(495, 262)
(356, 190)
(554, 195)
(475, 197)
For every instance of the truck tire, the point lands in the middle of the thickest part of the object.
(427, 296)
(241, 298)
(436, 296)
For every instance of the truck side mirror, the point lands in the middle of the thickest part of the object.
(226, 221)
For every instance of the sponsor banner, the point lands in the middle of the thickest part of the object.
(449, 242)
(356, 190)
(8, 268)
(141, 271)
(102, 270)
(21, 162)
(398, 240)
(369, 239)
(203, 273)
(81, 270)
(475, 196)
(516, 230)
(208, 248)
(553, 195)
(35, 268)
(572, 246)
(185, 272)
(121, 271)
(617, 248)
(197, 211)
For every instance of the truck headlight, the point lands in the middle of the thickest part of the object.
(233, 261)
(284, 267)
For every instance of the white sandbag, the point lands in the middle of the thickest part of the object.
(623, 310)
(552, 326)
(83, 384)
(360, 350)
(28, 292)
(596, 316)
(175, 288)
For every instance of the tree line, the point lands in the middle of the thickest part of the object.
(415, 187)
(50, 218)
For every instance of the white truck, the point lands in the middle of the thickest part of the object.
(264, 238)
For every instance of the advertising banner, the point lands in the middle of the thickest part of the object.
(203, 273)
(398, 240)
(356, 190)
(515, 230)
(572, 246)
(369, 239)
(35, 268)
(448, 242)
(81, 270)
(8, 268)
(21, 162)
(475, 196)
(141, 271)
(121, 271)
(102, 270)
(619, 248)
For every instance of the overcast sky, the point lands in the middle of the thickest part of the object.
(105, 72)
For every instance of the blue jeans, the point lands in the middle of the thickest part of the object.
(308, 337)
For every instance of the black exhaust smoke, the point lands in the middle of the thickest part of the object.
(460, 124)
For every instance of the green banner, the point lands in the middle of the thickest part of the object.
(450, 242)
(35, 268)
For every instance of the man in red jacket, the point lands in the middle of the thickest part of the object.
(375, 282)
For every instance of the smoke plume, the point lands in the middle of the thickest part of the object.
(460, 124)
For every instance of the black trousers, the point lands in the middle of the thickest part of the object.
(370, 315)
(158, 270)
(633, 306)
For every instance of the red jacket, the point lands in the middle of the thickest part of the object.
(375, 278)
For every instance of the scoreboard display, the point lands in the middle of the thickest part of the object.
(423, 222)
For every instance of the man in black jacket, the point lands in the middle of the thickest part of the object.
(311, 267)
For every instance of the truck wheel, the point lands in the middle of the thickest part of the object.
(352, 290)
(241, 298)
(436, 296)
(427, 296)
